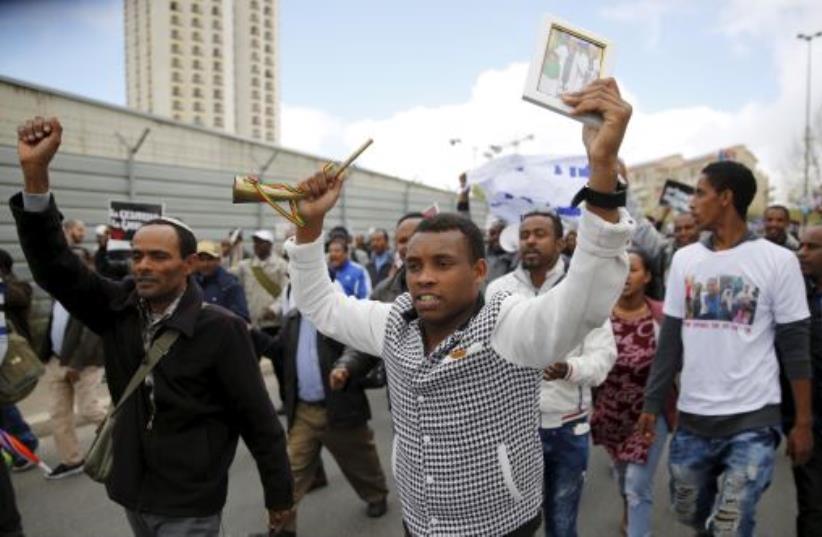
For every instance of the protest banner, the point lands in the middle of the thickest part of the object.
(677, 196)
(126, 217)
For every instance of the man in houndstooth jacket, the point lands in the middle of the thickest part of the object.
(465, 374)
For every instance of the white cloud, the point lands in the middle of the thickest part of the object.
(414, 143)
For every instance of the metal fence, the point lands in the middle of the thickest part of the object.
(84, 185)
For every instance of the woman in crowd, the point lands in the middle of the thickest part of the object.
(618, 401)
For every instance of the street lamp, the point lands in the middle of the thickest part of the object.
(809, 39)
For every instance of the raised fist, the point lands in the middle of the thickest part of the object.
(37, 141)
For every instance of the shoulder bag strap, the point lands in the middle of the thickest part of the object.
(157, 350)
(262, 278)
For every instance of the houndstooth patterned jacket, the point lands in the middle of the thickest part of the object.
(466, 452)
(466, 455)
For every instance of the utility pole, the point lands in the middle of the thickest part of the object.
(805, 192)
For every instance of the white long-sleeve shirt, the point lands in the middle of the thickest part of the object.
(565, 400)
(532, 332)
(466, 456)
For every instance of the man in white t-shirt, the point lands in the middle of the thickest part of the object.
(753, 300)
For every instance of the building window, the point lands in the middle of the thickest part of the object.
(255, 82)
(268, 73)
(175, 62)
(175, 20)
(218, 94)
(175, 34)
(254, 69)
(198, 107)
(215, 10)
(269, 85)
(268, 48)
(178, 117)
(178, 105)
(256, 133)
(216, 39)
(176, 77)
(269, 61)
(198, 120)
(269, 136)
(255, 43)
(195, 36)
(195, 7)
(269, 110)
(255, 107)
(196, 78)
(218, 108)
(175, 6)
(255, 4)
(255, 30)
(269, 123)
(176, 91)
(255, 57)
(255, 94)
(269, 98)
(195, 64)
(218, 66)
(268, 23)
(267, 10)
(195, 22)
(218, 122)
(196, 50)
(175, 48)
(215, 25)
(197, 93)
(218, 80)
(216, 53)
(254, 17)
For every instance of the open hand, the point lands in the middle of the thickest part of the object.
(800, 445)
(646, 426)
(277, 519)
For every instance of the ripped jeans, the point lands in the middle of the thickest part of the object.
(716, 483)
(565, 454)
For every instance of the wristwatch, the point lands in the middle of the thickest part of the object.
(603, 200)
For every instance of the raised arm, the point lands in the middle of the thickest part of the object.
(535, 332)
(357, 323)
(54, 267)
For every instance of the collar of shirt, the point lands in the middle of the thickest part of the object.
(708, 240)
(152, 321)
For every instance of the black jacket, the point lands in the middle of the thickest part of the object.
(208, 390)
(347, 407)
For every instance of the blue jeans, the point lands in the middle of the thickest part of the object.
(636, 483)
(565, 455)
(717, 482)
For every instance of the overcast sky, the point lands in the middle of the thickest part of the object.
(701, 74)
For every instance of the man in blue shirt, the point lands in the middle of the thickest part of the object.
(352, 277)
(219, 286)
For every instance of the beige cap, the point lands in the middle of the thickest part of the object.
(209, 248)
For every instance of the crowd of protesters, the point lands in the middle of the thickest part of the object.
(502, 365)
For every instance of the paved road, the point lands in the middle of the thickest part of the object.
(78, 507)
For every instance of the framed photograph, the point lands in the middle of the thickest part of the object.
(567, 59)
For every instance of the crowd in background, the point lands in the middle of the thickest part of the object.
(714, 335)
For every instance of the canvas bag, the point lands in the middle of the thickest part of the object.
(100, 454)
(20, 369)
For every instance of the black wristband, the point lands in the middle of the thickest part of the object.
(602, 200)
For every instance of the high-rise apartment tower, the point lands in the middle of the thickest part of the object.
(207, 62)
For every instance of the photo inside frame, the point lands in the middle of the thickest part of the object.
(571, 62)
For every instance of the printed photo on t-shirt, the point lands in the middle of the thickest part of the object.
(721, 298)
